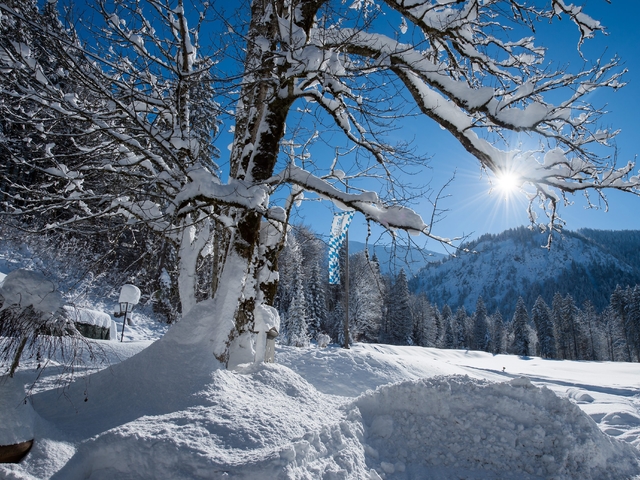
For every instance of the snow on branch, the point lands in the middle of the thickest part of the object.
(585, 23)
(203, 185)
(391, 217)
(465, 107)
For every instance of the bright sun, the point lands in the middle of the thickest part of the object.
(507, 183)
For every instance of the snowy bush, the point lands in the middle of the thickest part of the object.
(323, 340)
(31, 318)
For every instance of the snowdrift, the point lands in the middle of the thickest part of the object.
(170, 411)
(268, 422)
(253, 423)
(458, 427)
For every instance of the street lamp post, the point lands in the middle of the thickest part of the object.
(129, 296)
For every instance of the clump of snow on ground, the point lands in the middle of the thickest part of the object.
(89, 317)
(26, 288)
(17, 416)
(458, 427)
(252, 423)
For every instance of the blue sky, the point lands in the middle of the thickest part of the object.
(472, 209)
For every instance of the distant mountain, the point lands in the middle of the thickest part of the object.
(586, 264)
(392, 259)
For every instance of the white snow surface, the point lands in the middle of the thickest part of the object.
(370, 412)
(18, 417)
(158, 405)
(88, 316)
(129, 294)
(28, 288)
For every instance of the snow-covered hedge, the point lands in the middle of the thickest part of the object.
(92, 323)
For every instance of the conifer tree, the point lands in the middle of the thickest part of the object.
(290, 266)
(614, 338)
(460, 330)
(541, 316)
(562, 338)
(448, 340)
(620, 299)
(591, 341)
(521, 337)
(498, 333)
(570, 327)
(438, 327)
(632, 325)
(400, 317)
(297, 333)
(365, 298)
(316, 301)
(423, 328)
(608, 329)
(481, 334)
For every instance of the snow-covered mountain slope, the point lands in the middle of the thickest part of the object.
(586, 264)
(392, 259)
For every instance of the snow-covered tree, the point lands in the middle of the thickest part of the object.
(290, 267)
(620, 300)
(333, 62)
(562, 347)
(632, 321)
(448, 340)
(313, 257)
(399, 315)
(521, 330)
(591, 343)
(296, 329)
(499, 336)
(438, 327)
(615, 345)
(541, 317)
(365, 298)
(481, 334)
(316, 300)
(460, 328)
(573, 326)
(124, 124)
(426, 321)
(569, 332)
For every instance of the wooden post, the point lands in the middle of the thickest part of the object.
(346, 285)
(124, 321)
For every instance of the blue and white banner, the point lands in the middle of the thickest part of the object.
(339, 228)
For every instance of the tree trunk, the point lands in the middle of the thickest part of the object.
(260, 125)
(16, 358)
(191, 245)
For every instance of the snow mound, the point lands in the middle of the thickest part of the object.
(16, 414)
(446, 427)
(579, 395)
(169, 412)
(622, 419)
(88, 317)
(262, 421)
(27, 288)
(266, 421)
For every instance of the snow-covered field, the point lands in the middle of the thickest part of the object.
(374, 411)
